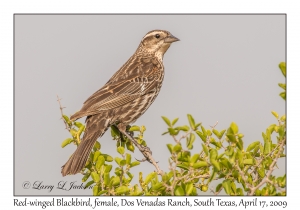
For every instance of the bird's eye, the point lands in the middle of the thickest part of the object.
(157, 36)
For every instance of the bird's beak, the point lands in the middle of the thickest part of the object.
(171, 38)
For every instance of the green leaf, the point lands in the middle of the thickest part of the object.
(86, 177)
(95, 177)
(149, 177)
(267, 147)
(179, 190)
(183, 166)
(73, 132)
(212, 176)
(134, 128)
(67, 120)
(240, 143)
(282, 67)
(229, 151)
(78, 124)
(89, 184)
(248, 161)
(118, 160)
(252, 146)
(96, 155)
(167, 121)
(108, 168)
(95, 190)
(261, 171)
(128, 159)
(216, 165)
(170, 147)
(106, 178)
(203, 138)
(123, 163)
(213, 154)
(190, 141)
(121, 150)
(189, 188)
(97, 146)
(108, 158)
(283, 95)
(231, 138)
(122, 190)
(164, 133)
(66, 142)
(218, 187)
(175, 121)
(191, 121)
(283, 86)
(102, 192)
(115, 181)
(226, 163)
(194, 158)
(200, 164)
(221, 133)
(173, 132)
(197, 125)
(100, 162)
(239, 192)
(233, 187)
(130, 146)
(157, 186)
(216, 132)
(205, 149)
(203, 131)
(234, 128)
(227, 186)
(114, 131)
(135, 163)
(177, 148)
(275, 114)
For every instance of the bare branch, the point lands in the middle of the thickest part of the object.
(61, 111)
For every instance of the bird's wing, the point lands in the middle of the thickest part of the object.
(137, 77)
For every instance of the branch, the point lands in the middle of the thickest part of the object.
(267, 178)
(61, 111)
(243, 176)
(144, 150)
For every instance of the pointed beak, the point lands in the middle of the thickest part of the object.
(171, 38)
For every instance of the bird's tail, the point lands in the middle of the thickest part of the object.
(96, 126)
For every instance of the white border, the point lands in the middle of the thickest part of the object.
(8, 8)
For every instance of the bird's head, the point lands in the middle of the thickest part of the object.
(157, 42)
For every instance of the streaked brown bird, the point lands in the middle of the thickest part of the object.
(124, 98)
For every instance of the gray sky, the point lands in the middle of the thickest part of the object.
(225, 69)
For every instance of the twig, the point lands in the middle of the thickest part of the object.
(61, 111)
(216, 193)
(213, 127)
(261, 160)
(271, 169)
(243, 176)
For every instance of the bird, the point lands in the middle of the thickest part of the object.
(124, 98)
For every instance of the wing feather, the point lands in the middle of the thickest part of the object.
(136, 77)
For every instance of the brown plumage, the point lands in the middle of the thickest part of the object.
(125, 97)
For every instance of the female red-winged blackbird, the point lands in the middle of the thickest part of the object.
(125, 97)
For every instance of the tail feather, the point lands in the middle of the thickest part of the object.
(96, 126)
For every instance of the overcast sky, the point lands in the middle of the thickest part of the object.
(225, 69)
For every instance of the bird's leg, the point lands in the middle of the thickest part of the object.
(144, 150)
